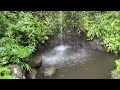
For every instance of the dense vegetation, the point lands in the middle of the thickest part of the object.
(104, 25)
(20, 32)
(115, 74)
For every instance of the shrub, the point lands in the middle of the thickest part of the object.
(102, 24)
(115, 74)
(5, 73)
(20, 32)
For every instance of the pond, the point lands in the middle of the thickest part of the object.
(75, 59)
(77, 63)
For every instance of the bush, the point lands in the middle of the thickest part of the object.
(104, 25)
(115, 74)
(20, 32)
(5, 73)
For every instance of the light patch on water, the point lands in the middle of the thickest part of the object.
(61, 55)
(61, 48)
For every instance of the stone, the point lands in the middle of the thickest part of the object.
(115, 77)
(32, 74)
(16, 71)
(49, 71)
(35, 62)
(97, 44)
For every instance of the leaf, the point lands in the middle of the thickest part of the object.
(117, 62)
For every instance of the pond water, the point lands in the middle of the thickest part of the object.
(77, 63)
(75, 59)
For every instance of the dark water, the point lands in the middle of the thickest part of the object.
(75, 59)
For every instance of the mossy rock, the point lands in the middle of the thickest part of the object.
(115, 76)
(35, 62)
(32, 74)
(49, 71)
(97, 44)
(16, 71)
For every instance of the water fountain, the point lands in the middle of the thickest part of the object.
(63, 54)
(61, 27)
(60, 49)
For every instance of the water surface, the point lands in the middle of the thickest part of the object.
(77, 63)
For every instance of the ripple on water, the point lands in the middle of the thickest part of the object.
(61, 55)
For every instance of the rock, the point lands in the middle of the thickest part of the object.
(116, 77)
(97, 44)
(49, 71)
(32, 74)
(35, 62)
(16, 71)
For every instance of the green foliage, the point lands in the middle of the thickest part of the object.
(52, 18)
(71, 19)
(20, 32)
(5, 73)
(102, 24)
(115, 73)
